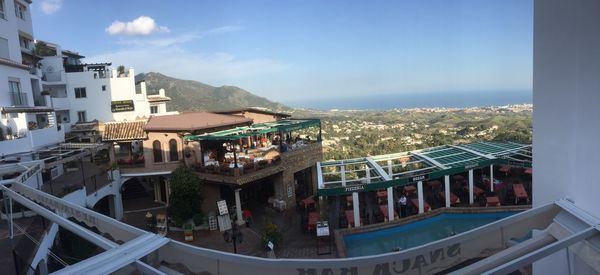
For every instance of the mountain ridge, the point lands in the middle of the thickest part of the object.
(191, 95)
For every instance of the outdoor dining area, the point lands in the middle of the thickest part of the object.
(244, 150)
(387, 187)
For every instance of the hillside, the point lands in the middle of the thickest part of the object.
(189, 95)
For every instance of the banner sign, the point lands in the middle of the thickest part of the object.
(121, 106)
(29, 173)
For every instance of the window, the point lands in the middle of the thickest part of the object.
(2, 15)
(173, 153)
(4, 48)
(153, 109)
(80, 93)
(14, 88)
(103, 88)
(157, 151)
(20, 10)
(81, 116)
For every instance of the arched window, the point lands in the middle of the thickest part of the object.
(173, 153)
(157, 151)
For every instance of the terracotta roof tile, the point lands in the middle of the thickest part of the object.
(126, 130)
(194, 121)
(158, 98)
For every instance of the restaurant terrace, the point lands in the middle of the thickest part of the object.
(256, 146)
(403, 170)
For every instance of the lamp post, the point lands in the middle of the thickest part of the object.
(233, 235)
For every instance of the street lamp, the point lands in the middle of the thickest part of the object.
(233, 235)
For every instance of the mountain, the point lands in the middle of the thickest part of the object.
(189, 95)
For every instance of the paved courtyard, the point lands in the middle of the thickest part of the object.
(295, 243)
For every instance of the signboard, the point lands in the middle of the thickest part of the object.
(323, 229)
(29, 173)
(222, 205)
(121, 106)
(290, 191)
(224, 222)
(418, 178)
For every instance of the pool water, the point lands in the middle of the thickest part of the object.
(416, 233)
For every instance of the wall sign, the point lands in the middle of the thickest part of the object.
(222, 206)
(121, 106)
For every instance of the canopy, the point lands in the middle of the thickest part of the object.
(257, 129)
(378, 172)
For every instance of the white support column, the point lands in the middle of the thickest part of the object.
(420, 196)
(118, 205)
(10, 217)
(343, 174)
(368, 173)
(156, 190)
(492, 178)
(238, 207)
(471, 199)
(389, 166)
(390, 194)
(166, 192)
(356, 209)
(447, 190)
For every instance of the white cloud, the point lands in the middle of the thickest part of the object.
(224, 29)
(167, 55)
(51, 6)
(141, 26)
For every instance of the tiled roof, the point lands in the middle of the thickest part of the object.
(158, 98)
(85, 126)
(254, 110)
(126, 130)
(194, 121)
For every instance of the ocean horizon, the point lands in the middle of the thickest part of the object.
(422, 100)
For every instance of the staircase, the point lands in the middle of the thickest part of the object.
(51, 119)
(133, 189)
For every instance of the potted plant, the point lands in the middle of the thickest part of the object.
(121, 71)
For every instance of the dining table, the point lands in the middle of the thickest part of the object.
(492, 201)
(453, 198)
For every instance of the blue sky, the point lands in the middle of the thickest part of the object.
(291, 50)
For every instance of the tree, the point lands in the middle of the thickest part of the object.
(121, 70)
(186, 194)
(42, 49)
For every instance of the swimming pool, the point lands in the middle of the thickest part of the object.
(417, 233)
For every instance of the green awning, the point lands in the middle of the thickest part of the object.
(257, 129)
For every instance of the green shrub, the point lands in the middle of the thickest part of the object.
(272, 234)
(186, 197)
(198, 219)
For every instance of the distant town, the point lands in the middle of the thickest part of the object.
(355, 133)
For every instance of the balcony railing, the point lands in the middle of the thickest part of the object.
(18, 98)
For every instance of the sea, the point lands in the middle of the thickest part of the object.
(416, 100)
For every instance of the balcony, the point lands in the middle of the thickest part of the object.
(249, 170)
(18, 99)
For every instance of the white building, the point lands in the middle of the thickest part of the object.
(26, 121)
(84, 92)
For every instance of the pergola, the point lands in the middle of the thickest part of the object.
(280, 126)
(387, 171)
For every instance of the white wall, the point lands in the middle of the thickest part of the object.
(566, 99)
(97, 104)
(10, 26)
(566, 96)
